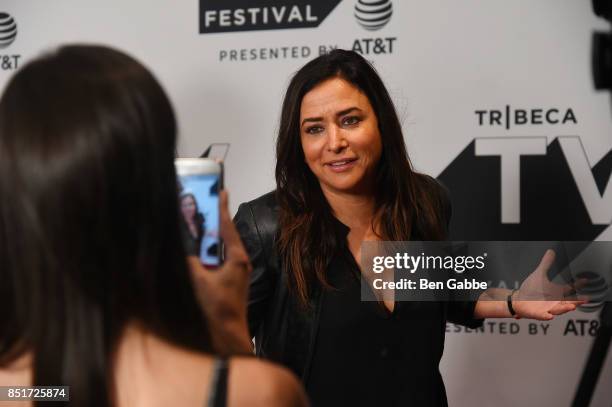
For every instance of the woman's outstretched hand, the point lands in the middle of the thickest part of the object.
(537, 298)
(223, 292)
(542, 299)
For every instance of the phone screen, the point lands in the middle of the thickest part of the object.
(199, 212)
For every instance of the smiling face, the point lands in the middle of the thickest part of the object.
(340, 137)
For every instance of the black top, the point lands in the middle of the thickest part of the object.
(365, 355)
(347, 352)
(218, 384)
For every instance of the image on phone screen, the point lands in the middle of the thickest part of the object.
(199, 210)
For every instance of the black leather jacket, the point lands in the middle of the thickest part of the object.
(269, 308)
(283, 331)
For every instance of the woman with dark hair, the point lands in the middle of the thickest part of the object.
(96, 292)
(194, 222)
(343, 177)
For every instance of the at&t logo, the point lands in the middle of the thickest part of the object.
(373, 15)
(8, 33)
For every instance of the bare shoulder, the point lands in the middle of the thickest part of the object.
(18, 372)
(255, 382)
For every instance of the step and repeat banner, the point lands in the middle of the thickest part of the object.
(496, 100)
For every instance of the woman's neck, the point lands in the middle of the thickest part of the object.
(354, 210)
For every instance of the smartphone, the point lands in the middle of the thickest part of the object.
(199, 182)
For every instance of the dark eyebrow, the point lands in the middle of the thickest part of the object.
(339, 114)
(312, 119)
(346, 111)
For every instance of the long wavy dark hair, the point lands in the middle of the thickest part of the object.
(89, 219)
(198, 220)
(408, 204)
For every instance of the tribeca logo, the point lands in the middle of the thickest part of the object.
(8, 33)
(519, 117)
(373, 14)
(241, 15)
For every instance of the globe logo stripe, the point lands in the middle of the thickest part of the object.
(373, 14)
(373, 2)
(8, 30)
(359, 8)
(377, 19)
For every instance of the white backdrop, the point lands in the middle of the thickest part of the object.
(449, 59)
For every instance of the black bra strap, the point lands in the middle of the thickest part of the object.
(218, 385)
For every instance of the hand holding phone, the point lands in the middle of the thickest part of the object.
(223, 293)
(200, 181)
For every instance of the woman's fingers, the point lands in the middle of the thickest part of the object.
(236, 259)
(572, 289)
(548, 316)
(545, 310)
(547, 261)
(562, 308)
(195, 265)
(577, 302)
(566, 306)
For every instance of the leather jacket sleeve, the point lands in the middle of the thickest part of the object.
(256, 222)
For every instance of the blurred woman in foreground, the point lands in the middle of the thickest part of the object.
(95, 289)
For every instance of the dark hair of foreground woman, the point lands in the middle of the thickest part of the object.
(95, 288)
